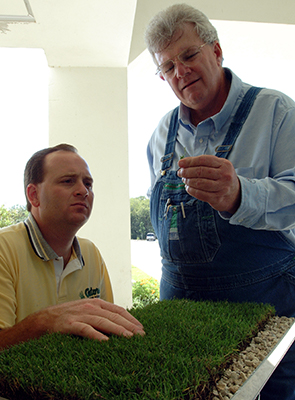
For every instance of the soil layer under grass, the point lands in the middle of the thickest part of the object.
(183, 354)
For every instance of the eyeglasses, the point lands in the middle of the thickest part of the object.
(186, 57)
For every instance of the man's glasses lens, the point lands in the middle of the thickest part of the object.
(187, 57)
(167, 68)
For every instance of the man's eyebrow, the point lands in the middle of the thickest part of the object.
(74, 174)
(68, 175)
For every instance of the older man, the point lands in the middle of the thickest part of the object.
(51, 281)
(222, 179)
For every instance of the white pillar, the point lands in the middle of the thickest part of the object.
(88, 109)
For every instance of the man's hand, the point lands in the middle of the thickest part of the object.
(91, 318)
(213, 180)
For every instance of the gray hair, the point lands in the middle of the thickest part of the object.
(163, 26)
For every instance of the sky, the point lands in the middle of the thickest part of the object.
(260, 54)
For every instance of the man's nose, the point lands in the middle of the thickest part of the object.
(82, 190)
(180, 69)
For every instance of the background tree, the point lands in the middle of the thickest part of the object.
(13, 215)
(140, 217)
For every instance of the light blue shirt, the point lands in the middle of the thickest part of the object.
(263, 155)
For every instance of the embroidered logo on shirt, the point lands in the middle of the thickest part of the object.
(90, 293)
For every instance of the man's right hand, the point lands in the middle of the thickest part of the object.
(91, 318)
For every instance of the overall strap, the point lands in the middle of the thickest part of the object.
(167, 159)
(230, 138)
(237, 122)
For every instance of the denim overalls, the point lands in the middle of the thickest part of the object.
(206, 258)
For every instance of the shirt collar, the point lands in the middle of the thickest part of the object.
(220, 118)
(41, 247)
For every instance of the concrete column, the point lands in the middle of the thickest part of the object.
(88, 109)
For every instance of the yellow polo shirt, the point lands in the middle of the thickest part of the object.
(28, 280)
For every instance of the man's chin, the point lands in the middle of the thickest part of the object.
(79, 219)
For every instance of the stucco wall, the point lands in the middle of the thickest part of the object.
(88, 109)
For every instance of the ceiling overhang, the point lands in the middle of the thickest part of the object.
(99, 33)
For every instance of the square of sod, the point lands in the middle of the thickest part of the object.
(186, 347)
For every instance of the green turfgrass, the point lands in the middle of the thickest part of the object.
(186, 346)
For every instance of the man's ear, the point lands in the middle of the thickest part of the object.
(218, 52)
(33, 195)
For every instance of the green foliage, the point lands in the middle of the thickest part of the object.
(144, 292)
(186, 346)
(13, 215)
(140, 217)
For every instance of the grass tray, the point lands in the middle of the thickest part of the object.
(186, 347)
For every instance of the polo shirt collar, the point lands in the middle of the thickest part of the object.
(41, 247)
